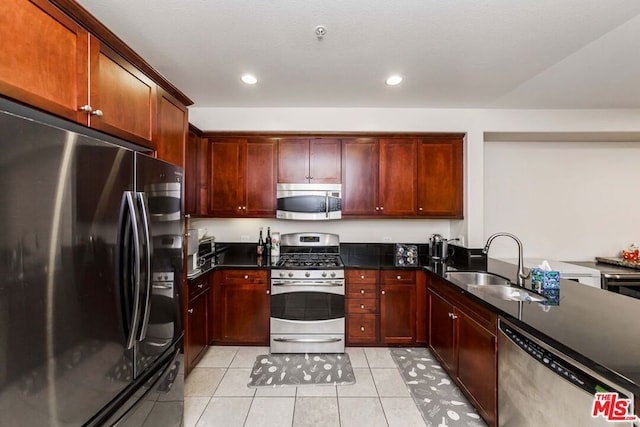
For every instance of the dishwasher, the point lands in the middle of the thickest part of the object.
(540, 386)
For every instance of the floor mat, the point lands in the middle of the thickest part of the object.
(440, 401)
(272, 370)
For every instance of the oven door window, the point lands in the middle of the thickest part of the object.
(306, 306)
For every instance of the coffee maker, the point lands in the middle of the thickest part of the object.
(438, 248)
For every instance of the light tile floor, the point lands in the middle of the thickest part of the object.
(216, 394)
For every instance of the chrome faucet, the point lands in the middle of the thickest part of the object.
(521, 275)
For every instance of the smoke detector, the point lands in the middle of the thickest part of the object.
(321, 31)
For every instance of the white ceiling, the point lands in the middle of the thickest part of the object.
(451, 53)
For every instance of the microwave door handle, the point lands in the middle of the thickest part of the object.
(326, 204)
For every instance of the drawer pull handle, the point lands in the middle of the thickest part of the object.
(190, 310)
(383, 293)
(201, 285)
(268, 291)
(398, 277)
(362, 276)
(362, 328)
(362, 306)
(362, 291)
(246, 276)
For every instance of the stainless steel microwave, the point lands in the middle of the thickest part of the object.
(309, 201)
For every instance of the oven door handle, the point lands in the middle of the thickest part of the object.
(301, 283)
(308, 340)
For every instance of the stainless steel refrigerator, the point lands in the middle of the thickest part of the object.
(90, 278)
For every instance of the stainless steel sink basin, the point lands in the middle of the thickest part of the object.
(511, 293)
(476, 278)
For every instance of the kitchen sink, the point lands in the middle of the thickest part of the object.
(511, 293)
(477, 278)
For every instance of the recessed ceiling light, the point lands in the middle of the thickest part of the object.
(394, 80)
(249, 79)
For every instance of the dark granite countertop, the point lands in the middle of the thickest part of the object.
(594, 326)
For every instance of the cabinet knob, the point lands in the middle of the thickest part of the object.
(268, 291)
(239, 208)
(454, 317)
(246, 276)
(190, 310)
(383, 292)
(362, 277)
(310, 177)
(381, 208)
(244, 208)
(377, 208)
(86, 108)
(97, 113)
(420, 209)
(398, 277)
(362, 306)
(362, 291)
(187, 235)
(362, 328)
(187, 216)
(201, 285)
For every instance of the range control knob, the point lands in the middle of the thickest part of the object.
(324, 274)
(333, 274)
(307, 274)
(291, 274)
(282, 274)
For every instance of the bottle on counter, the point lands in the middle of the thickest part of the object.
(260, 249)
(267, 247)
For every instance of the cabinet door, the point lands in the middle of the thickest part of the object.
(197, 327)
(293, 161)
(125, 97)
(397, 314)
(398, 169)
(244, 313)
(171, 129)
(227, 176)
(260, 169)
(441, 329)
(477, 364)
(360, 177)
(325, 161)
(440, 177)
(422, 310)
(44, 58)
(191, 174)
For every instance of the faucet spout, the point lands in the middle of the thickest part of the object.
(521, 275)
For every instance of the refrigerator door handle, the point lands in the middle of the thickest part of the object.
(129, 204)
(148, 254)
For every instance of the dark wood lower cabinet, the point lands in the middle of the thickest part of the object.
(462, 335)
(241, 307)
(197, 321)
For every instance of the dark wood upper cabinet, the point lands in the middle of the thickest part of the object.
(260, 179)
(440, 174)
(171, 130)
(360, 177)
(315, 161)
(243, 177)
(227, 176)
(397, 189)
(197, 175)
(44, 58)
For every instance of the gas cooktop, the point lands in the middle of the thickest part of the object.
(310, 261)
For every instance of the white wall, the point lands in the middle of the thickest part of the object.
(564, 200)
(474, 122)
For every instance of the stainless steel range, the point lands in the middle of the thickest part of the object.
(307, 295)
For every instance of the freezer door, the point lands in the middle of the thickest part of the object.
(63, 353)
(159, 189)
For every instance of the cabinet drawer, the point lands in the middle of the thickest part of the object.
(398, 277)
(362, 306)
(362, 328)
(197, 286)
(358, 290)
(242, 277)
(362, 276)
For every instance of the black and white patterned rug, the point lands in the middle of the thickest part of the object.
(440, 401)
(273, 370)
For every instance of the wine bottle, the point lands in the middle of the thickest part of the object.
(260, 249)
(267, 247)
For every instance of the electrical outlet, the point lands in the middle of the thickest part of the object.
(387, 239)
(244, 238)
